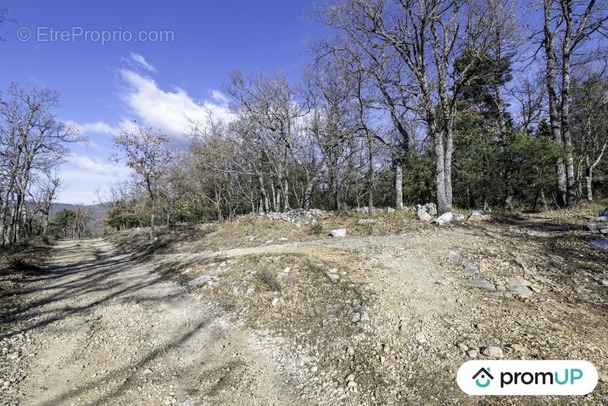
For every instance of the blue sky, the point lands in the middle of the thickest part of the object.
(159, 63)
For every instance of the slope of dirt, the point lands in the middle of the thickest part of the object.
(380, 319)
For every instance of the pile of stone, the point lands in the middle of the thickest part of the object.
(427, 211)
(599, 224)
(292, 216)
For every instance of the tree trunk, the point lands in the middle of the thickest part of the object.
(590, 168)
(286, 206)
(443, 203)
(399, 185)
(370, 178)
(554, 116)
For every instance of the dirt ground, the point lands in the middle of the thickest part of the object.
(366, 319)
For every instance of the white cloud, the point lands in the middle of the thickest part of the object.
(89, 166)
(141, 61)
(83, 176)
(219, 97)
(97, 127)
(171, 111)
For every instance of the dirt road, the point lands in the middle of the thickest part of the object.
(362, 320)
(106, 331)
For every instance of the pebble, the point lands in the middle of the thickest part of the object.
(520, 287)
(493, 352)
(356, 317)
(365, 316)
(332, 276)
(518, 347)
(420, 338)
(482, 283)
(472, 353)
(472, 269)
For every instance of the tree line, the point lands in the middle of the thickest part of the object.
(405, 102)
(33, 143)
(408, 101)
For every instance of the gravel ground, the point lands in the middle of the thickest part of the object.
(376, 320)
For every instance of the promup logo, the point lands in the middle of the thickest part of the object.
(527, 377)
(483, 378)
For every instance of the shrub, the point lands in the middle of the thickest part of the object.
(269, 280)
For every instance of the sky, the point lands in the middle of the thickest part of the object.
(159, 64)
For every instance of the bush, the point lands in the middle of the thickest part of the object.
(269, 280)
(316, 228)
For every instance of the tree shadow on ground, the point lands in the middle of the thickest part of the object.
(77, 287)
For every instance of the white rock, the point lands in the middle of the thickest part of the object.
(493, 352)
(332, 276)
(423, 215)
(445, 218)
(338, 233)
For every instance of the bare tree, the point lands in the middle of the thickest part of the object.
(32, 140)
(426, 37)
(569, 26)
(146, 153)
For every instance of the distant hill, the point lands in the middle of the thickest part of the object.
(96, 224)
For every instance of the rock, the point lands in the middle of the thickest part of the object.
(518, 347)
(431, 208)
(472, 353)
(463, 347)
(420, 338)
(472, 269)
(477, 215)
(350, 378)
(423, 215)
(520, 262)
(147, 371)
(338, 233)
(364, 222)
(520, 287)
(452, 257)
(390, 210)
(445, 218)
(458, 217)
(482, 283)
(493, 352)
(332, 276)
(275, 301)
(301, 361)
(356, 317)
(365, 316)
